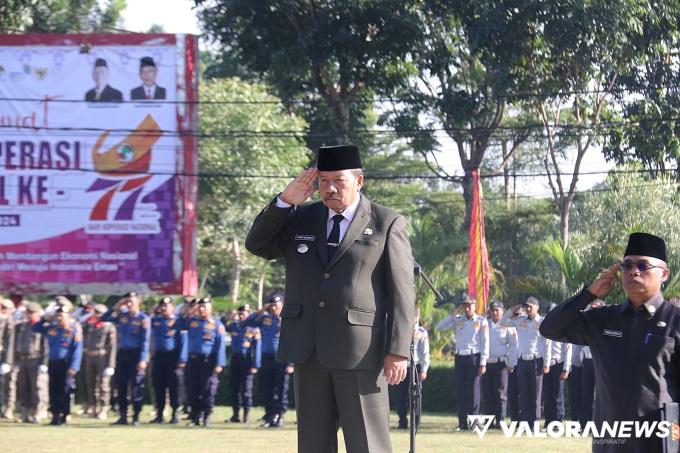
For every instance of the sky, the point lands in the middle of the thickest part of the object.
(177, 16)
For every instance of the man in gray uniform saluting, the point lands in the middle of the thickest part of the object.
(347, 319)
(634, 344)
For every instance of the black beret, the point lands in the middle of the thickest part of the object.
(146, 61)
(341, 157)
(100, 62)
(165, 300)
(243, 308)
(645, 244)
(205, 300)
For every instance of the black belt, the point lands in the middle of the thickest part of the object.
(200, 356)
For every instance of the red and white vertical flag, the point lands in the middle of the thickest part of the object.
(478, 271)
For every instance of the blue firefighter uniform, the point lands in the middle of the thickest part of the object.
(65, 353)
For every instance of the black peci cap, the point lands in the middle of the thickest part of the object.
(100, 62)
(146, 61)
(645, 244)
(165, 300)
(204, 300)
(341, 157)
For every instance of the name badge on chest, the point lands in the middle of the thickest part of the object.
(612, 333)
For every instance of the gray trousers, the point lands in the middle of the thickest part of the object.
(97, 385)
(327, 398)
(27, 384)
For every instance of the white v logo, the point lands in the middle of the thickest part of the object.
(480, 423)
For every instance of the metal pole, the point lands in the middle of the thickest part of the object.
(415, 389)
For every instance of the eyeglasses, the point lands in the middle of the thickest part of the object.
(641, 266)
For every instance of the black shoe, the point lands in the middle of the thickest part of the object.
(206, 422)
(135, 419)
(403, 424)
(55, 420)
(267, 422)
(246, 415)
(234, 419)
(158, 419)
(274, 422)
(121, 421)
(63, 421)
(174, 420)
(193, 423)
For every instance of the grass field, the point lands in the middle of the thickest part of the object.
(85, 434)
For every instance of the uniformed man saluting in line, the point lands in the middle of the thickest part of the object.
(246, 354)
(30, 362)
(472, 351)
(99, 363)
(65, 343)
(273, 375)
(634, 344)
(531, 351)
(133, 328)
(500, 364)
(168, 341)
(205, 357)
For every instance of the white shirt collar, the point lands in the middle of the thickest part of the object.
(349, 212)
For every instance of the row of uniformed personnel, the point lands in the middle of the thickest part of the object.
(507, 357)
(117, 342)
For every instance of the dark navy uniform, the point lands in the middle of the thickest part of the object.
(65, 346)
(635, 352)
(421, 352)
(272, 376)
(168, 341)
(206, 349)
(246, 353)
(558, 359)
(133, 348)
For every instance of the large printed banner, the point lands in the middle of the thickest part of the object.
(97, 157)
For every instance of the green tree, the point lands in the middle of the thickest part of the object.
(332, 54)
(578, 54)
(229, 199)
(60, 16)
(457, 82)
(627, 202)
(650, 103)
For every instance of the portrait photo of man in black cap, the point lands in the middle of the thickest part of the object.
(634, 344)
(148, 90)
(349, 309)
(102, 92)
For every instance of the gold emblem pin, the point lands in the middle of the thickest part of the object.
(368, 231)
